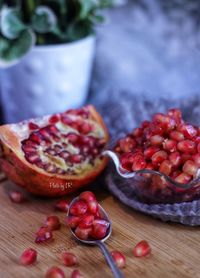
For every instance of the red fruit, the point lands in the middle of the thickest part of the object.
(29, 256)
(169, 145)
(185, 157)
(190, 168)
(99, 231)
(142, 249)
(43, 235)
(86, 221)
(78, 208)
(100, 221)
(196, 158)
(33, 126)
(93, 207)
(139, 162)
(188, 130)
(87, 196)
(76, 274)
(198, 148)
(186, 146)
(176, 115)
(38, 160)
(158, 157)
(176, 135)
(166, 167)
(175, 159)
(156, 140)
(183, 178)
(73, 221)
(62, 205)
(119, 259)
(127, 144)
(69, 259)
(149, 152)
(83, 234)
(53, 223)
(55, 272)
(137, 132)
(16, 197)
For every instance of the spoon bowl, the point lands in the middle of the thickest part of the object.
(100, 242)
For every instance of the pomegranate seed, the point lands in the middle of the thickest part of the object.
(72, 221)
(69, 259)
(16, 197)
(149, 152)
(196, 159)
(83, 233)
(169, 145)
(166, 167)
(190, 168)
(43, 235)
(76, 158)
(76, 274)
(158, 157)
(35, 137)
(183, 178)
(28, 257)
(54, 119)
(119, 259)
(188, 130)
(185, 157)
(142, 249)
(137, 132)
(33, 126)
(53, 223)
(87, 196)
(176, 135)
(150, 166)
(101, 222)
(93, 207)
(145, 124)
(198, 148)
(99, 231)
(139, 163)
(79, 208)
(85, 128)
(156, 140)
(186, 146)
(127, 144)
(72, 137)
(175, 174)
(176, 115)
(175, 159)
(62, 205)
(55, 272)
(86, 221)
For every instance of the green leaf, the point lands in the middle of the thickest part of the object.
(85, 7)
(10, 23)
(44, 20)
(12, 50)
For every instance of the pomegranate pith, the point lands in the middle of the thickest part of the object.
(60, 154)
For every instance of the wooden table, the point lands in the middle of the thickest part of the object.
(175, 248)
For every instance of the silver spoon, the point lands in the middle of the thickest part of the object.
(100, 243)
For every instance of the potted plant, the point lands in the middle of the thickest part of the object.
(46, 53)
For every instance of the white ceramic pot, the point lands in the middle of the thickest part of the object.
(49, 79)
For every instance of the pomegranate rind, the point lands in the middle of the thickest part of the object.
(36, 180)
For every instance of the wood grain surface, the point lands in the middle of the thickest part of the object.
(175, 248)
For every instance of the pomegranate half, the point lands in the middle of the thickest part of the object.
(54, 155)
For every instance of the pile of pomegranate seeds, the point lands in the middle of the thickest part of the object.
(29, 256)
(65, 143)
(85, 218)
(166, 143)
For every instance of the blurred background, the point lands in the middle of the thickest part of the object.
(145, 57)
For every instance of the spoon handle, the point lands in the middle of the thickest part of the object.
(117, 273)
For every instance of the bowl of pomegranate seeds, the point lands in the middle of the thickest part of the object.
(164, 154)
